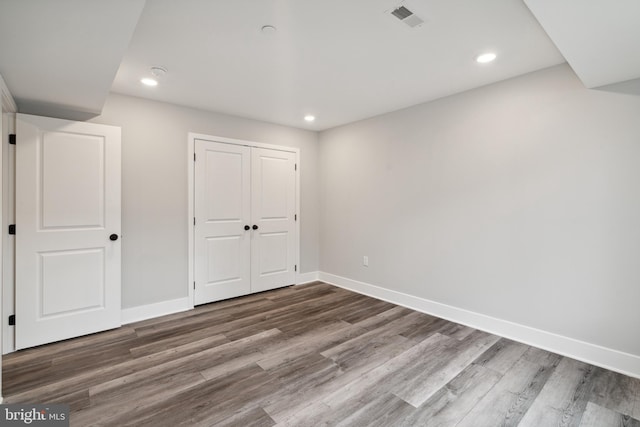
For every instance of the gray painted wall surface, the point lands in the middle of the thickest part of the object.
(519, 200)
(154, 189)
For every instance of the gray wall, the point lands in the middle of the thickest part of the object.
(519, 200)
(154, 189)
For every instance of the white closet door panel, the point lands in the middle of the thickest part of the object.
(222, 210)
(273, 207)
(67, 207)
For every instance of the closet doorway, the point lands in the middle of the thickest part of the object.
(245, 217)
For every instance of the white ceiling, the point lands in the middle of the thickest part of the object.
(59, 58)
(339, 60)
(602, 42)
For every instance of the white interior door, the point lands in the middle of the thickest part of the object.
(273, 209)
(67, 229)
(222, 179)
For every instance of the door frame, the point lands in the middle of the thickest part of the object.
(191, 143)
(8, 109)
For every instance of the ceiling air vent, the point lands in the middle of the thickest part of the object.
(406, 16)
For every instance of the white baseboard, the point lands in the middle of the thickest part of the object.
(307, 277)
(614, 360)
(149, 311)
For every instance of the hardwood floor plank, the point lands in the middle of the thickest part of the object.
(384, 377)
(597, 416)
(398, 324)
(636, 408)
(383, 318)
(455, 330)
(563, 398)
(502, 355)
(424, 330)
(207, 402)
(203, 361)
(507, 402)
(226, 318)
(296, 294)
(302, 345)
(366, 312)
(338, 386)
(310, 416)
(255, 417)
(161, 344)
(452, 403)
(108, 406)
(50, 351)
(315, 377)
(541, 357)
(19, 378)
(278, 317)
(386, 410)
(423, 379)
(358, 350)
(614, 391)
(48, 392)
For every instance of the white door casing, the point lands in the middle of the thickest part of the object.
(222, 211)
(273, 207)
(265, 194)
(67, 208)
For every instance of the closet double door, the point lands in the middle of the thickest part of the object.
(245, 217)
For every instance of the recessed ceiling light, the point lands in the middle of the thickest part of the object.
(485, 57)
(309, 118)
(268, 30)
(158, 71)
(149, 82)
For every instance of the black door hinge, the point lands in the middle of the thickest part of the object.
(194, 157)
(12, 138)
(295, 167)
(295, 217)
(12, 229)
(295, 268)
(12, 320)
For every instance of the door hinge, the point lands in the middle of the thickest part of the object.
(194, 220)
(194, 157)
(295, 217)
(295, 167)
(12, 229)
(194, 285)
(12, 138)
(295, 268)
(12, 320)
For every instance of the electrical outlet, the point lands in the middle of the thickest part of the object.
(365, 261)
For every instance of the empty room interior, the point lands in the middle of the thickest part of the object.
(308, 213)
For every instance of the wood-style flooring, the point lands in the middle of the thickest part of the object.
(314, 355)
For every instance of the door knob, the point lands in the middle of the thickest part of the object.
(113, 237)
(255, 227)
(246, 227)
